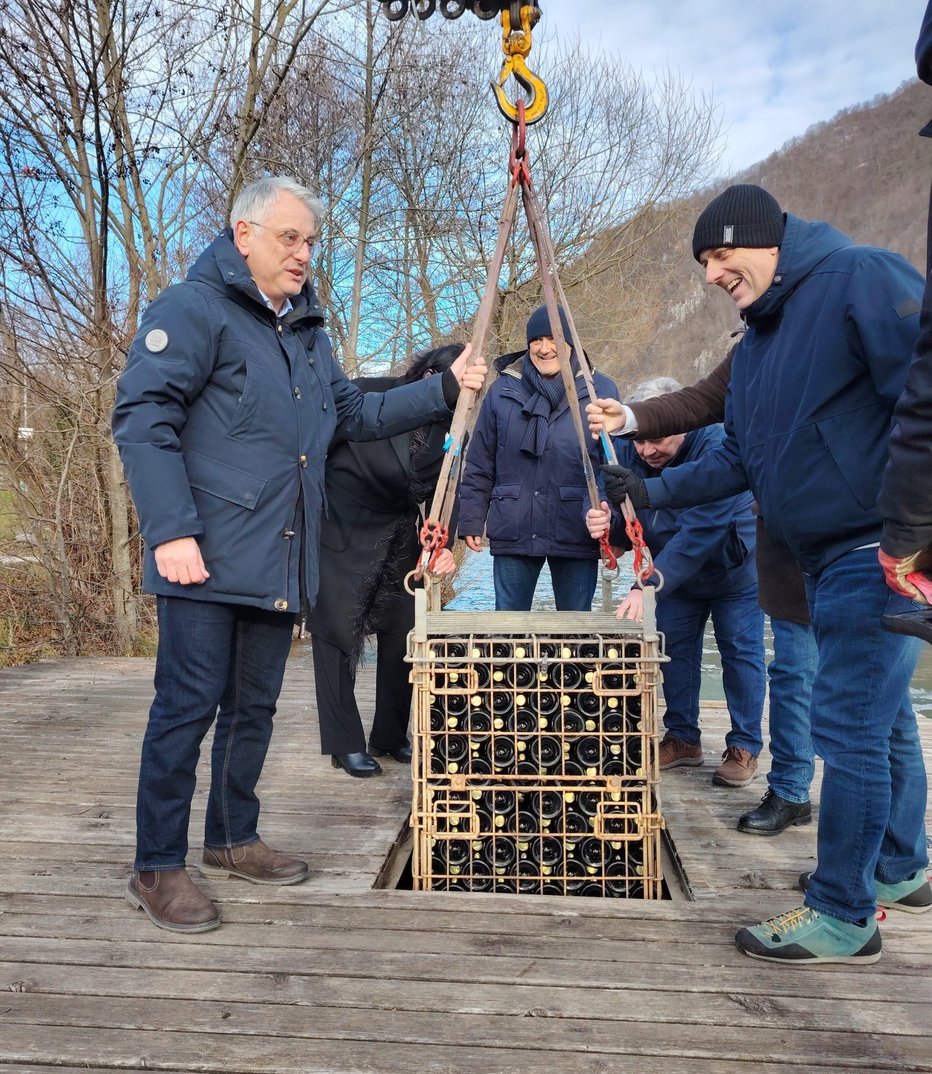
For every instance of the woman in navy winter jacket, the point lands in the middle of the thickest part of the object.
(523, 481)
(706, 557)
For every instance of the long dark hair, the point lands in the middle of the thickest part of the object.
(436, 360)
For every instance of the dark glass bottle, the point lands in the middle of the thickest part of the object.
(576, 823)
(477, 765)
(456, 705)
(451, 853)
(569, 721)
(477, 724)
(450, 749)
(623, 880)
(546, 851)
(548, 702)
(592, 853)
(525, 720)
(479, 875)
(566, 676)
(590, 888)
(529, 879)
(496, 810)
(546, 804)
(521, 676)
(589, 751)
(438, 719)
(504, 753)
(503, 703)
(588, 802)
(545, 752)
(575, 876)
(501, 852)
(456, 649)
(588, 703)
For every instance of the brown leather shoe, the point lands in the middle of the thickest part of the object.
(254, 862)
(674, 753)
(172, 901)
(737, 769)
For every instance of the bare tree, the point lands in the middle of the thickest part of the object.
(111, 112)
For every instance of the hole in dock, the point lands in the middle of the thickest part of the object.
(397, 870)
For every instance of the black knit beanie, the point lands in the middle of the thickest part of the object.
(742, 215)
(538, 325)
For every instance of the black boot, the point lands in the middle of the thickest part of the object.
(773, 815)
(356, 764)
(401, 754)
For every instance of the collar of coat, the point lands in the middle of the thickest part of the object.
(222, 267)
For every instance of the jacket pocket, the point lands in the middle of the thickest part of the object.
(219, 479)
(735, 552)
(851, 456)
(504, 521)
(570, 527)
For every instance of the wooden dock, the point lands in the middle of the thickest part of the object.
(335, 976)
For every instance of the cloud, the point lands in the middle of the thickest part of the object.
(773, 70)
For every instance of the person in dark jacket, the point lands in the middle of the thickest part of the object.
(781, 593)
(224, 413)
(906, 494)
(369, 541)
(815, 378)
(524, 484)
(705, 555)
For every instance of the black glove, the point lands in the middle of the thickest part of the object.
(620, 482)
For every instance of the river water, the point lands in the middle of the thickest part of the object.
(474, 592)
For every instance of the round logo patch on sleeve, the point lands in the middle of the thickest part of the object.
(156, 340)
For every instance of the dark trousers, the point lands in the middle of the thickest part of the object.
(222, 662)
(341, 729)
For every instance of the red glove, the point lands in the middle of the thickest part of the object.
(909, 576)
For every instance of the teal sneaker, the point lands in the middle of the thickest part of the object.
(805, 936)
(914, 894)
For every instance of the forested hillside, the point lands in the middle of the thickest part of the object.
(867, 172)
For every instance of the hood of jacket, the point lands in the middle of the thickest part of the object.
(222, 267)
(806, 244)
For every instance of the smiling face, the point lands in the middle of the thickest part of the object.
(279, 273)
(743, 272)
(658, 453)
(543, 353)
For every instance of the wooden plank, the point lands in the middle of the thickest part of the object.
(333, 976)
(544, 1030)
(672, 1000)
(190, 1053)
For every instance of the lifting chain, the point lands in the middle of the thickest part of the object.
(395, 10)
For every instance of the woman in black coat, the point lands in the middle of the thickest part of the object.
(369, 541)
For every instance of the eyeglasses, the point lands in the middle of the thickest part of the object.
(289, 238)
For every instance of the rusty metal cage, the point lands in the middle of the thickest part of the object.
(535, 754)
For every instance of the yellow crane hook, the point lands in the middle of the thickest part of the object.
(516, 45)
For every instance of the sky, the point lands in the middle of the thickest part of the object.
(773, 69)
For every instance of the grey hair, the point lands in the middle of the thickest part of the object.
(650, 389)
(254, 201)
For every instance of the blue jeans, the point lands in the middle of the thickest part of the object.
(872, 809)
(738, 623)
(215, 661)
(791, 673)
(515, 579)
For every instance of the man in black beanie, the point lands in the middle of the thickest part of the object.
(814, 381)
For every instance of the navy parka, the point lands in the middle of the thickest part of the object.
(702, 552)
(813, 385)
(527, 505)
(223, 418)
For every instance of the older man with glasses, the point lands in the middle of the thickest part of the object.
(224, 415)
